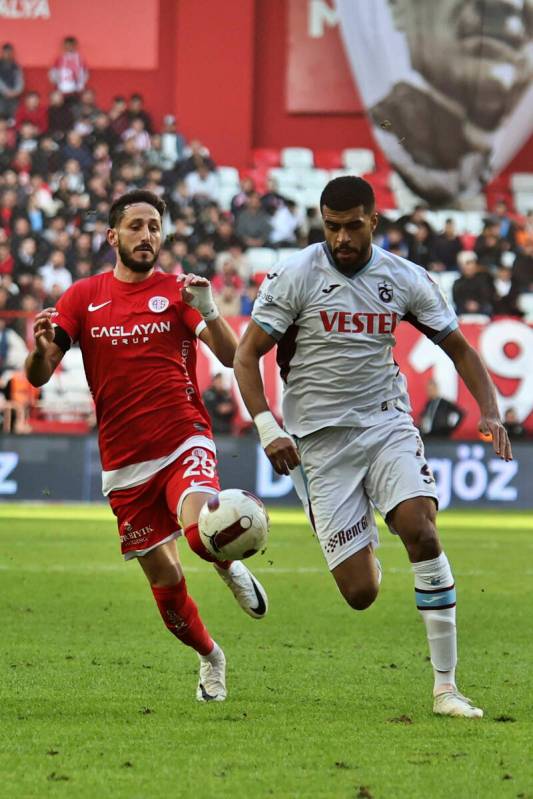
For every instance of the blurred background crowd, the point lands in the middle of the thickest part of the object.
(64, 159)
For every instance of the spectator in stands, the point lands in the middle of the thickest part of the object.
(69, 72)
(60, 116)
(248, 298)
(7, 262)
(253, 224)
(220, 405)
(515, 429)
(524, 233)
(225, 238)
(394, 241)
(118, 115)
(285, 224)
(240, 201)
(6, 151)
(473, 292)
(11, 82)
(271, 200)
(440, 417)
(445, 248)
(22, 398)
(227, 276)
(522, 274)
(229, 301)
(506, 226)
(504, 302)
(489, 246)
(13, 350)
(172, 142)
(420, 251)
(136, 110)
(55, 273)
(31, 111)
(74, 148)
(195, 153)
(202, 184)
(138, 134)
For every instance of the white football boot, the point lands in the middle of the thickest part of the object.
(452, 703)
(212, 680)
(246, 589)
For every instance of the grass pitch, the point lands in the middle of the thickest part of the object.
(97, 698)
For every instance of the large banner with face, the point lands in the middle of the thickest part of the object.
(447, 84)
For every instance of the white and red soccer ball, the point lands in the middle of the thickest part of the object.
(233, 525)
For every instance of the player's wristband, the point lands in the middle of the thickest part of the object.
(202, 300)
(268, 428)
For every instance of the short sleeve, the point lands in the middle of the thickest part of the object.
(278, 304)
(192, 319)
(70, 311)
(428, 309)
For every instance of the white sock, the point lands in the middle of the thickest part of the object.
(213, 654)
(435, 599)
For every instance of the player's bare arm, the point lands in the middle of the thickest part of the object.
(220, 339)
(477, 379)
(43, 360)
(218, 335)
(278, 446)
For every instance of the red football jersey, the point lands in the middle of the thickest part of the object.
(138, 342)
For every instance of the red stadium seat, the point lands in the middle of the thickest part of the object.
(328, 159)
(266, 157)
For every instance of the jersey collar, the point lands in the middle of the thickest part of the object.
(361, 269)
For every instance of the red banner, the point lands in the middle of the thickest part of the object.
(318, 74)
(506, 346)
(117, 35)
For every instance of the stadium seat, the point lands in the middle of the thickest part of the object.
(405, 199)
(297, 157)
(226, 195)
(328, 159)
(228, 176)
(525, 304)
(523, 201)
(285, 252)
(522, 182)
(445, 281)
(261, 258)
(265, 157)
(359, 160)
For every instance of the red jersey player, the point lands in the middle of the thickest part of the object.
(137, 330)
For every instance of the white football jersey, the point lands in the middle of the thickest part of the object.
(335, 334)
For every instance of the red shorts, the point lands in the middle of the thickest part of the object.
(147, 514)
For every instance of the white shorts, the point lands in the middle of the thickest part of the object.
(345, 471)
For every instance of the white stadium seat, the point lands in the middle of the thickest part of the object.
(261, 258)
(523, 201)
(525, 304)
(285, 252)
(522, 181)
(446, 281)
(297, 157)
(359, 160)
(228, 176)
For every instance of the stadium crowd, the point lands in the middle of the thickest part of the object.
(64, 159)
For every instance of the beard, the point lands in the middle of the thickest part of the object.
(132, 263)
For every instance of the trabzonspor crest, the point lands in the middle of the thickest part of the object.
(385, 291)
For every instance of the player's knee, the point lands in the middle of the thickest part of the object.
(360, 597)
(423, 541)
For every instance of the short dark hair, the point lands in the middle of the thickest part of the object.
(118, 208)
(70, 40)
(346, 192)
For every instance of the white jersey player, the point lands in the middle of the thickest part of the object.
(332, 311)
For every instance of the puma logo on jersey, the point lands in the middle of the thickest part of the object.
(330, 289)
(92, 307)
(359, 322)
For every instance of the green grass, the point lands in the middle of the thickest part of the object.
(97, 699)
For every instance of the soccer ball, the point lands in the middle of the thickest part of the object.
(233, 525)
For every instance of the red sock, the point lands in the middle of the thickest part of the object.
(181, 616)
(195, 542)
